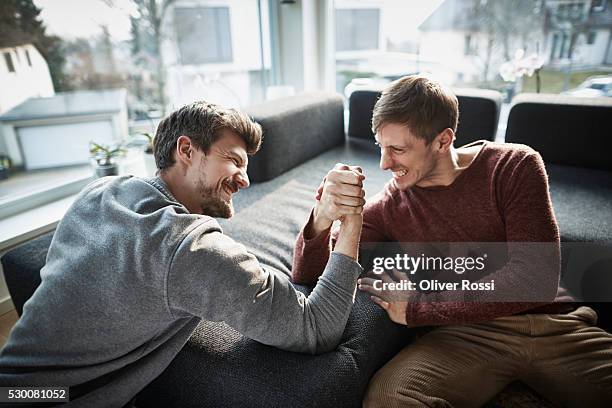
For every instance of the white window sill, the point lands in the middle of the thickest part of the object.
(19, 228)
(35, 219)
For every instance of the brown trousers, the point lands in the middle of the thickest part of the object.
(563, 357)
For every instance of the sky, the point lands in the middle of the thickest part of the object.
(402, 17)
(83, 18)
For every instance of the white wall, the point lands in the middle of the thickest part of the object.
(26, 81)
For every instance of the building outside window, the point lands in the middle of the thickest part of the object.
(231, 51)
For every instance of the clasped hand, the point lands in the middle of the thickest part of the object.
(391, 294)
(340, 194)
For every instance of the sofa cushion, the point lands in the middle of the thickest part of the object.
(582, 200)
(566, 130)
(478, 114)
(295, 130)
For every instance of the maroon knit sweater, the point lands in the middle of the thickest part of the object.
(501, 197)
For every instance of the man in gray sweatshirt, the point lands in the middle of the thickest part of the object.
(135, 264)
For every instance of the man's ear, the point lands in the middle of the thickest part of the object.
(184, 149)
(445, 139)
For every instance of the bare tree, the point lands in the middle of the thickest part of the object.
(503, 22)
(147, 37)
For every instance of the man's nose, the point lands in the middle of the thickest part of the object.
(385, 161)
(242, 179)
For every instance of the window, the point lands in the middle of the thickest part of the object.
(598, 5)
(203, 35)
(591, 36)
(227, 45)
(9, 62)
(357, 29)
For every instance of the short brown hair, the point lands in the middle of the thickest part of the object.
(204, 123)
(420, 103)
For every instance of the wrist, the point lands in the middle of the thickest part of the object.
(320, 223)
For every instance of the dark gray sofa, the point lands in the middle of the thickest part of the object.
(218, 367)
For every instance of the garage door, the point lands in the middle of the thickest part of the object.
(61, 145)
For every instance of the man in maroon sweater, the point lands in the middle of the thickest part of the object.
(481, 192)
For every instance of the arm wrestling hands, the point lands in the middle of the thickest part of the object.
(341, 197)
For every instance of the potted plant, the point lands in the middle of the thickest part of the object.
(149, 158)
(105, 156)
(5, 166)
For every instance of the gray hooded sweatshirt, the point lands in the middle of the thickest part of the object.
(129, 275)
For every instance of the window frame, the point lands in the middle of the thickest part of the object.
(220, 58)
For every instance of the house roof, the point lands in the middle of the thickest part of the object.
(65, 104)
(451, 15)
(7, 43)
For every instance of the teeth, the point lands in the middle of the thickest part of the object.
(400, 173)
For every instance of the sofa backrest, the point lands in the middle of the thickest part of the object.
(478, 114)
(567, 130)
(295, 129)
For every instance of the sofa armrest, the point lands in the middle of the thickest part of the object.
(21, 267)
(295, 129)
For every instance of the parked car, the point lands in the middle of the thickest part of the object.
(593, 86)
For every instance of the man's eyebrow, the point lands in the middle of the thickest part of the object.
(242, 159)
(377, 143)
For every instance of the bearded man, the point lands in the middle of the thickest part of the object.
(135, 264)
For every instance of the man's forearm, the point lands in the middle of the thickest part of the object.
(310, 255)
(348, 236)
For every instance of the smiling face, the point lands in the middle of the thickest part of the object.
(410, 159)
(219, 174)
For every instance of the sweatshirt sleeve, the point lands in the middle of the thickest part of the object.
(529, 278)
(216, 278)
(311, 255)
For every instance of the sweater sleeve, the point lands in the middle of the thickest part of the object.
(311, 255)
(529, 278)
(213, 277)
